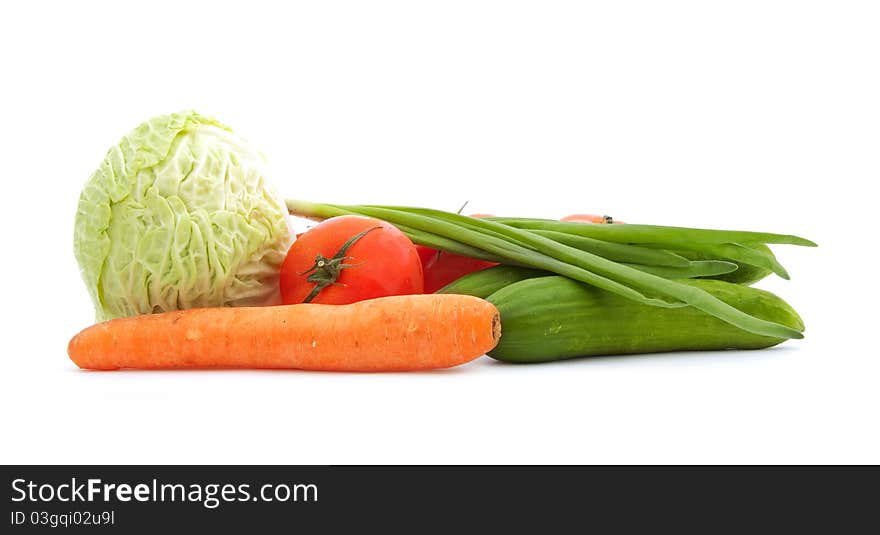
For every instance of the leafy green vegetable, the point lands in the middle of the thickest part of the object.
(179, 215)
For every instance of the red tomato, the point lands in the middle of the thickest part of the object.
(589, 218)
(426, 254)
(442, 268)
(381, 262)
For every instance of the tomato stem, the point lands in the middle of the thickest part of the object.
(325, 271)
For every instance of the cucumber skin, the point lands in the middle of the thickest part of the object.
(485, 282)
(553, 318)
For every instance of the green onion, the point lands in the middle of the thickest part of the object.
(739, 253)
(619, 252)
(630, 233)
(510, 252)
(526, 248)
(697, 268)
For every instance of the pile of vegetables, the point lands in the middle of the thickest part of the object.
(179, 223)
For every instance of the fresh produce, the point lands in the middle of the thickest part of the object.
(447, 267)
(347, 259)
(744, 273)
(590, 218)
(553, 318)
(398, 333)
(485, 282)
(512, 241)
(440, 268)
(180, 215)
(619, 252)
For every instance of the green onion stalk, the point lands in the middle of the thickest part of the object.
(634, 261)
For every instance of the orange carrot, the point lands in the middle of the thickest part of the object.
(589, 218)
(399, 333)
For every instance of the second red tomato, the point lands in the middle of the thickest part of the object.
(442, 268)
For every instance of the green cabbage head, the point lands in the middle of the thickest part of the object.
(180, 215)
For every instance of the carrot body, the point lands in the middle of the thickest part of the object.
(399, 333)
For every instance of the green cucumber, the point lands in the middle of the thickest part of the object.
(553, 318)
(485, 282)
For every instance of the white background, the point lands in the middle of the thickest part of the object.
(751, 115)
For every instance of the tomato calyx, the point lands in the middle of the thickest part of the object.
(325, 271)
